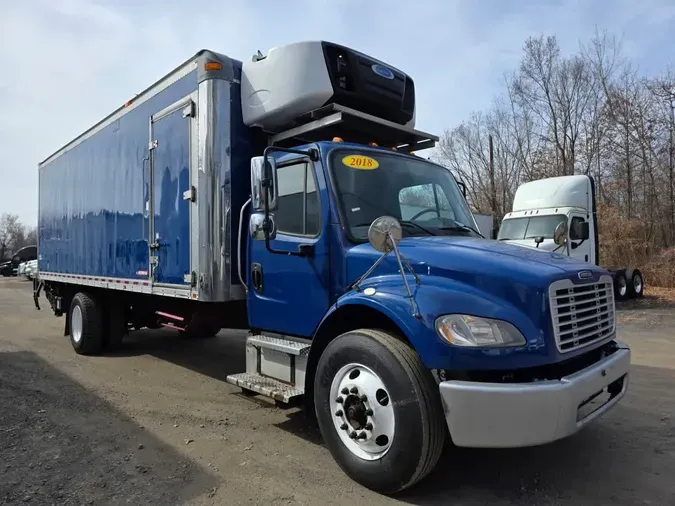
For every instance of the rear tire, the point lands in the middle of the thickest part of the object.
(115, 326)
(636, 283)
(620, 286)
(85, 325)
(200, 329)
(389, 433)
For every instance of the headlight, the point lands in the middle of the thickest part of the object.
(472, 331)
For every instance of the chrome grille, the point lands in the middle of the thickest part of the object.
(582, 314)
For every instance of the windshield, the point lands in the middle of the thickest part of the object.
(424, 196)
(529, 227)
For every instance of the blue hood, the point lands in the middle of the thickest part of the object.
(474, 261)
(473, 276)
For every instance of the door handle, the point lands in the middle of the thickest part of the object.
(257, 277)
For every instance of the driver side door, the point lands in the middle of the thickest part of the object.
(289, 294)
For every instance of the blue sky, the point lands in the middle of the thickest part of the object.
(67, 63)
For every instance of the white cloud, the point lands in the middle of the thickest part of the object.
(65, 64)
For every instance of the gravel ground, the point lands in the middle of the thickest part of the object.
(157, 424)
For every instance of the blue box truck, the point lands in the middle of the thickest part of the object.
(283, 195)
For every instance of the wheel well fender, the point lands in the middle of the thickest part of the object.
(356, 312)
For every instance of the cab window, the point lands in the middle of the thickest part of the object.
(298, 202)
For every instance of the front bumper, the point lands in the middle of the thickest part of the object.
(504, 415)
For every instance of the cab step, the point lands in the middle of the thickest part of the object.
(275, 368)
(269, 387)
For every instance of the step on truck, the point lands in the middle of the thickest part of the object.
(559, 214)
(283, 195)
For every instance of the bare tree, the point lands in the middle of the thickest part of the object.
(31, 236)
(11, 232)
(586, 113)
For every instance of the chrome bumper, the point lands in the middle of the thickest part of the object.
(498, 415)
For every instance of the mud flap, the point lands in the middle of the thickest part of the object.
(37, 287)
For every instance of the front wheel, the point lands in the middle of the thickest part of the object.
(378, 410)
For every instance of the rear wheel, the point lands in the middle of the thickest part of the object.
(636, 284)
(201, 328)
(620, 286)
(85, 325)
(378, 410)
(114, 326)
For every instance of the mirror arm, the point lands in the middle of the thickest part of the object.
(557, 248)
(355, 284)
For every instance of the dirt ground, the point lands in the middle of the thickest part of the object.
(157, 424)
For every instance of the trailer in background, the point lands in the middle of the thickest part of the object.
(560, 214)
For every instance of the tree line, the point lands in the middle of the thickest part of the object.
(591, 112)
(14, 235)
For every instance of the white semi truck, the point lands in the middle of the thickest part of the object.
(560, 214)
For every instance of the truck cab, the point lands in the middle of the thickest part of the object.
(559, 214)
(372, 294)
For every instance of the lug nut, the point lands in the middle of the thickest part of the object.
(353, 435)
(339, 412)
(362, 435)
(364, 398)
(344, 391)
(355, 390)
(343, 426)
(339, 400)
(369, 412)
(369, 426)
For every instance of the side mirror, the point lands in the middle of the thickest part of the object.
(261, 172)
(584, 231)
(560, 233)
(383, 231)
(462, 187)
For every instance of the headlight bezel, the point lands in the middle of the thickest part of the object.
(454, 329)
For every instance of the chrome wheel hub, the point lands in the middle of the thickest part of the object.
(76, 324)
(363, 414)
(637, 284)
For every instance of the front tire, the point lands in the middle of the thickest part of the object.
(85, 325)
(378, 410)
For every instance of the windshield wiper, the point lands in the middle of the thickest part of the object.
(461, 226)
(404, 223)
(413, 224)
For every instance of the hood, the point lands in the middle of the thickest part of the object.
(546, 245)
(475, 261)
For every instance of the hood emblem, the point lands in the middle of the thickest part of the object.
(585, 274)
